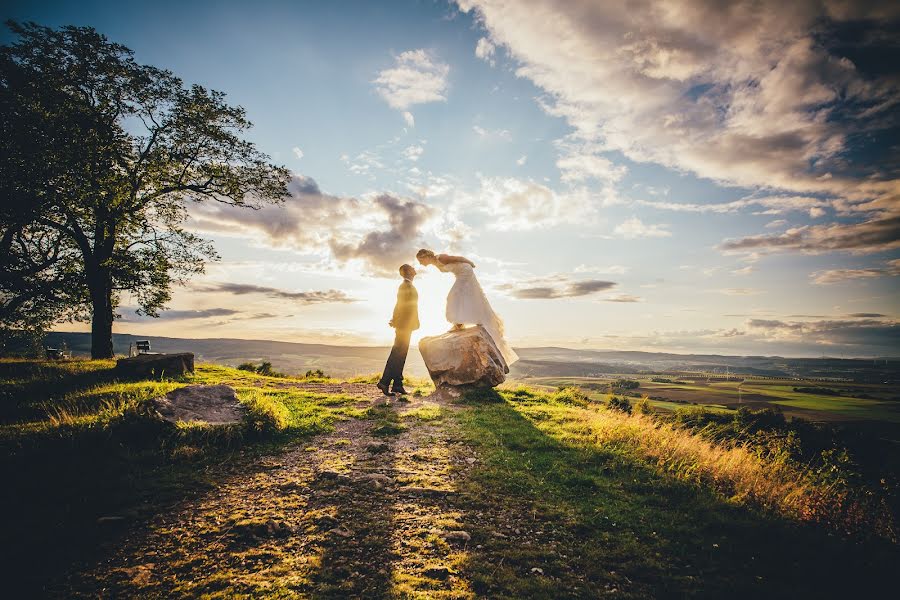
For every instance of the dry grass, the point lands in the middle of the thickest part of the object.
(736, 472)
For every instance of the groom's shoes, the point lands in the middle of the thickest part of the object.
(383, 386)
(399, 391)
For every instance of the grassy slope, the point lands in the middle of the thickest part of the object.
(626, 527)
(76, 445)
(562, 501)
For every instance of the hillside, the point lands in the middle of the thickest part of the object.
(348, 361)
(328, 490)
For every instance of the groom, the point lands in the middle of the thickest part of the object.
(405, 321)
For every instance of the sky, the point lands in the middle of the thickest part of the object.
(686, 176)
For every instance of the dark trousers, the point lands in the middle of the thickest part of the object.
(393, 370)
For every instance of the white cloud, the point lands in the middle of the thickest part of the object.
(417, 77)
(522, 205)
(485, 50)
(521, 160)
(830, 276)
(495, 133)
(610, 270)
(297, 152)
(413, 153)
(634, 228)
(759, 99)
(379, 232)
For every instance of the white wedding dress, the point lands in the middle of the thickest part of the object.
(467, 304)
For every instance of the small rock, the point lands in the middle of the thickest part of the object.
(377, 480)
(341, 531)
(537, 570)
(471, 460)
(457, 536)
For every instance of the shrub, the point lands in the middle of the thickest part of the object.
(620, 404)
(570, 394)
(315, 374)
(643, 407)
(247, 366)
(626, 384)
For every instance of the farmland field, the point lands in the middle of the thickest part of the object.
(811, 400)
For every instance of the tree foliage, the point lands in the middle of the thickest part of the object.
(100, 158)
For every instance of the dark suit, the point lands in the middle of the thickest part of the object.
(405, 320)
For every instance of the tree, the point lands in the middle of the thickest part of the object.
(100, 158)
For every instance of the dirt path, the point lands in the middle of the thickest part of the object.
(367, 510)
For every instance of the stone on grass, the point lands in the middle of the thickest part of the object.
(154, 366)
(464, 357)
(458, 536)
(212, 404)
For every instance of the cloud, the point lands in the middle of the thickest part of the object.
(767, 99)
(610, 270)
(634, 228)
(380, 232)
(739, 291)
(413, 153)
(417, 77)
(854, 333)
(758, 100)
(387, 249)
(830, 276)
(776, 224)
(580, 166)
(129, 314)
(307, 297)
(556, 286)
(522, 205)
(502, 134)
(623, 298)
(485, 50)
(521, 160)
(770, 205)
(877, 235)
(297, 152)
(409, 119)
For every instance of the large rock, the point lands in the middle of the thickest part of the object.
(465, 357)
(213, 404)
(154, 366)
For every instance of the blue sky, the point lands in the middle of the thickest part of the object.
(735, 186)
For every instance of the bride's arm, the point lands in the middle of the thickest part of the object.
(448, 259)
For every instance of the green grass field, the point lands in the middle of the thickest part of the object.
(882, 403)
(314, 495)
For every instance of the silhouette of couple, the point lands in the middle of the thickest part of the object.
(466, 305)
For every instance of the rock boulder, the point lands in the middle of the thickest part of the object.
(213, 404)
(154, 366)
(464, 357)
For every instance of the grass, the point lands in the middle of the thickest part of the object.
(724, 395)
(562, 496)
(100, 452)
(611, 504)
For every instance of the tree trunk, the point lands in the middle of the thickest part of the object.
(102, 318)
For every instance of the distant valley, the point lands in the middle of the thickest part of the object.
(343, 361)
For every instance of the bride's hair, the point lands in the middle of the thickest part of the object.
(423, 253)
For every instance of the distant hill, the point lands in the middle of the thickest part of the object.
(345, 361)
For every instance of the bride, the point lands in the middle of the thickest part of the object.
(466, 302)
